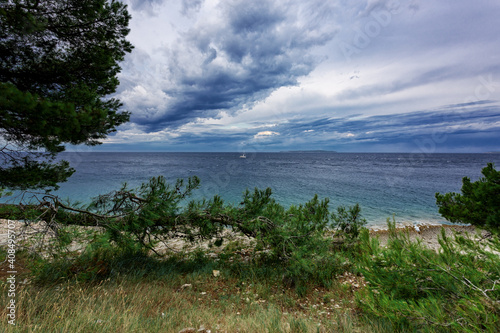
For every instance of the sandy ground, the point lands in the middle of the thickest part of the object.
(428, 233)
(33, 235)
(7, 227)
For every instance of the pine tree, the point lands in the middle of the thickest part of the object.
(58, 61)
(478, 204)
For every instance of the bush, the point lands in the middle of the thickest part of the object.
(290, 241)
(478, 204)
(349, 222)
(412, 287)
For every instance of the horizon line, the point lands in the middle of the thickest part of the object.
(283, 151)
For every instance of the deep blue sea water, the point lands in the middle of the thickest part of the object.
(383, 184)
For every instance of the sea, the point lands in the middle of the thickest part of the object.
(385, 185)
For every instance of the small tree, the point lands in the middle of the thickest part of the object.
(478, 204)
(348, 222)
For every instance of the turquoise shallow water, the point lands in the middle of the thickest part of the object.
(383, 184)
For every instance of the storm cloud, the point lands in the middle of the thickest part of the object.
(227, 62)
(375, 75)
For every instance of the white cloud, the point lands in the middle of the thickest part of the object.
(265, 134)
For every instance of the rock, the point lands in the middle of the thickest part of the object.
(188, 330)
(216, 273)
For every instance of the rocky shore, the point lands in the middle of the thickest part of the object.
(427, 233)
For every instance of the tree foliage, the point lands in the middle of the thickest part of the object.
(143, 219)
(478, 204)
(58, 61)
(349, 222)
(414, 288)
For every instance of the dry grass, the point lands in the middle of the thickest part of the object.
(164, 306)
(176, 301)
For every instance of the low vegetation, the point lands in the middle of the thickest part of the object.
(477, 204)
(301, 269)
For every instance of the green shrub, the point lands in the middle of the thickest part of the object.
(478, 204)
(456, 289)
(10, 211)
(19, 212)
(290, 242)
(348, 222)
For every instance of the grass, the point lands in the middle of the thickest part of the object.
(158, 307)
(175, 294)
(243, 291)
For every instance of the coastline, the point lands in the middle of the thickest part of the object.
(428, 233)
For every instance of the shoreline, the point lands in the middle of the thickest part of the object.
(427, 233)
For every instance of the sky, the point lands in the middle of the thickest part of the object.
(348, 76)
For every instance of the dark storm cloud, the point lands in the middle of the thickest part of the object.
(252, 49)
(203, 73)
